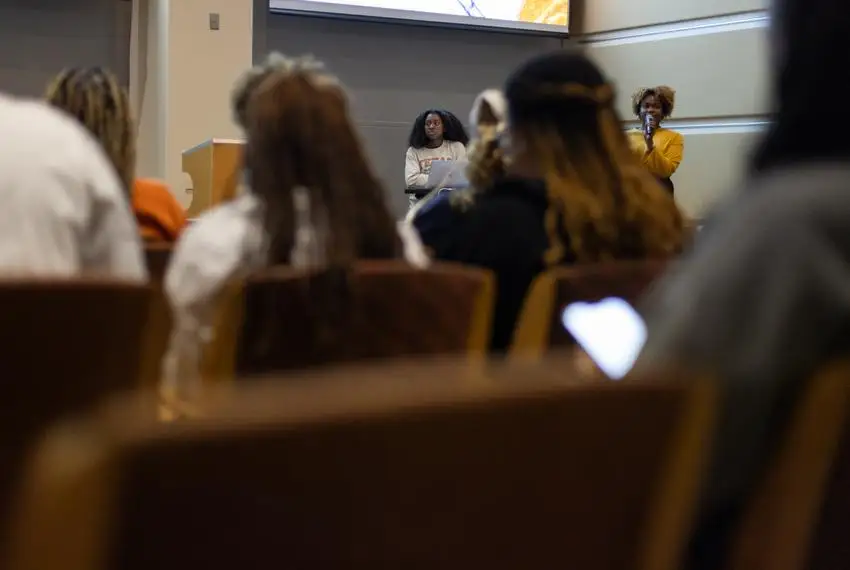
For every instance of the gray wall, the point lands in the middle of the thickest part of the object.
(394, 71)
(40, 37)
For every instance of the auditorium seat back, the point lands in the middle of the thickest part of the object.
(379, 473)
(539, 327)
(65, 345)
(387, 310)
(159, 323)
(798, 516)
(830, 549)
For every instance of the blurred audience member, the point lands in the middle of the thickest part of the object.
(64, 210)
(572, 191)
(314, 202)
(436, 135)
(763, 301)
(659, 149)
(95, 98)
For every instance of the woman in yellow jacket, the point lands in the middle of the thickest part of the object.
(659, 149)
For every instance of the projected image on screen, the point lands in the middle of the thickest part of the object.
(554, 13)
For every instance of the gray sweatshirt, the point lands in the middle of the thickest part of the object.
(760, 303)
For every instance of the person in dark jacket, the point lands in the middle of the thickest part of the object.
(763, 301)
(571, 190)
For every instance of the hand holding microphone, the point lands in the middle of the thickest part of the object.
(648, 131)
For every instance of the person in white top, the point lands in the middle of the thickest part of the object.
(313, 201)
(436, 135)
(65, 212)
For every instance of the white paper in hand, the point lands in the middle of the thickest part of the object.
(610, 332)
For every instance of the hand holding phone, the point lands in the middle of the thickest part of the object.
(611, 332)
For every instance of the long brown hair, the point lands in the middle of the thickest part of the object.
(97, 100)
(300, 136)
(301, 140)
(603, 204)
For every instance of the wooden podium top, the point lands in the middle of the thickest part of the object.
(212, 142)
(215, 167)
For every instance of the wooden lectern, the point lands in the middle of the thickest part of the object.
(215, 167)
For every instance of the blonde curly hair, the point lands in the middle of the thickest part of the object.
(486, 158)
(666, 96)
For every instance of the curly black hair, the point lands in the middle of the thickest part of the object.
(453, 129)
(666, 96)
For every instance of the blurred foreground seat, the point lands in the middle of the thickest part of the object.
(64, 346)
(461, 472)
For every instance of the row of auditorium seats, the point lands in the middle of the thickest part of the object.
(433, 462)
(438, 464)
(395, 311)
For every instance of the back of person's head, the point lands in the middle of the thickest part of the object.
(452, 128)
(249, 81)
(562, 120)
(301, 138)
(486, 159)
(810, 47)
(96, 99)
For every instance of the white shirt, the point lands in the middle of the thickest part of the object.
(224, 244)
(64, 211)
(417, 163)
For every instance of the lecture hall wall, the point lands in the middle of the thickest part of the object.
(713, 53)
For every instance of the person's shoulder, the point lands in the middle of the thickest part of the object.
(457, 146)
(222, 225)
(673, 136)
(511, 207)
(28, 122)
(782, 209)
(211, 249)
(522, 193)
(818, 193)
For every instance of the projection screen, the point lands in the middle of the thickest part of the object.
(534, 16)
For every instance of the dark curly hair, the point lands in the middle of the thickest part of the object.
(453, 129)
(666, 96)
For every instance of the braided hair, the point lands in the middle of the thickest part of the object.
(96, 99)
(453, 129)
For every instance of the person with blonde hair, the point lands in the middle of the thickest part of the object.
(314, 202)
(570, 191)
(659, 149)
(95, 98)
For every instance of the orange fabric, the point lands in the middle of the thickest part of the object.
(161, 217)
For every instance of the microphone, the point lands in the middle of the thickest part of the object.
(647, 124)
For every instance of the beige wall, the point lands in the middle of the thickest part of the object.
(181, 76)
(713, 53)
